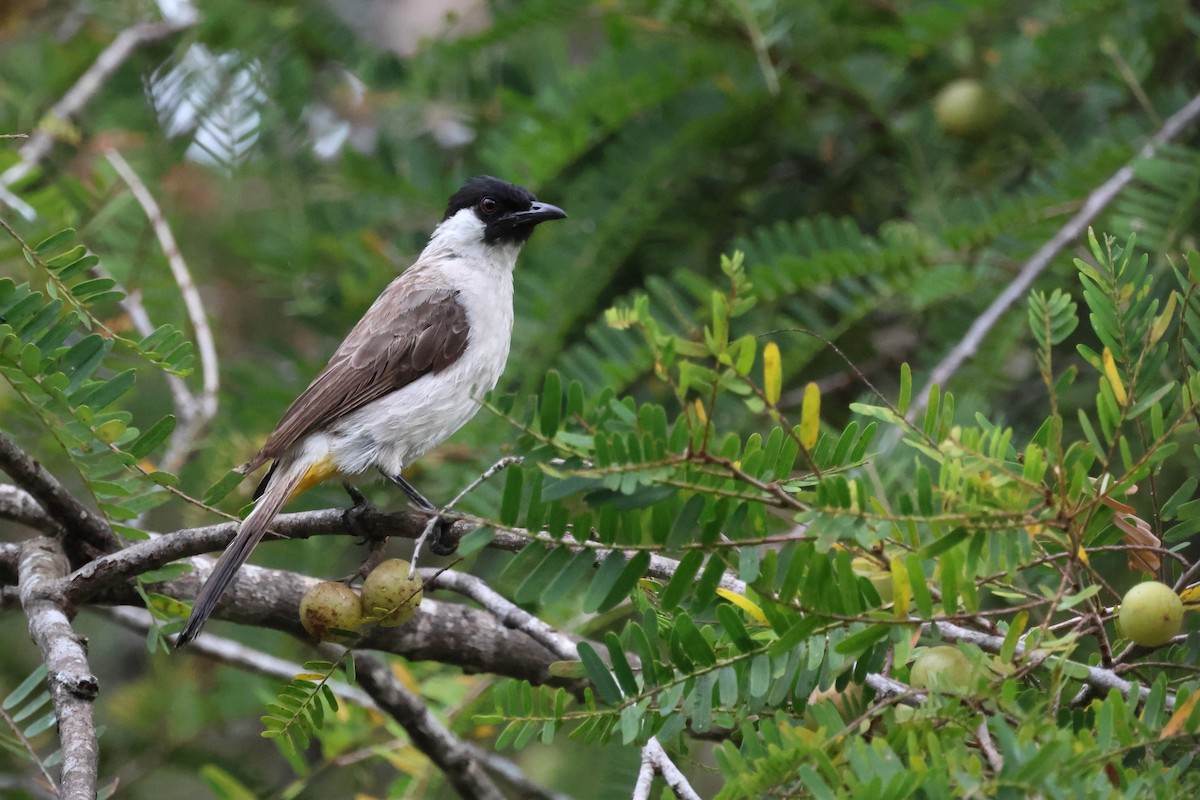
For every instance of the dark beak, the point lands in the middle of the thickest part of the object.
(538, 212)
(520, 224)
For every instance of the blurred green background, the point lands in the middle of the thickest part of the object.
(885, 166)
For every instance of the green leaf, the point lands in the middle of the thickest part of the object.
(222, 487)
(860, 641)
(629, 577)
(510, 504)
(18, 695)
(939, 546)
(551, 404)
(106, 393)
(145, 444)
(734, 628)
(620, 666)
(82, 359)
(693, 642)
(76, 267)
(606, 687)
(611, 568)
(54, 241)
(916, 579)
(92, 287)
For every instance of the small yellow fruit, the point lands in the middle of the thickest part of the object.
(327, 606)
(1151, 614)
(389, 596)
(942, 667)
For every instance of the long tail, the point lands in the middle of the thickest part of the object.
(281, 483)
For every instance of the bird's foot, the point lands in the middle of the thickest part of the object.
(444, 541)
(355, 517)
(439, 534)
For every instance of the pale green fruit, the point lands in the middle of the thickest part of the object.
(942, 667)
(389, 596)
(1151, 614)
(965, 108)
(327, 606)
(880, 578)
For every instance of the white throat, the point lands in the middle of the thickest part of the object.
(461, 237)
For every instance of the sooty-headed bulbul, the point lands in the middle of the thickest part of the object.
(410, 373)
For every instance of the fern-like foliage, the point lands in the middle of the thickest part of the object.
(821, 605)
(26, 713)
(299, 709)
(54, 353)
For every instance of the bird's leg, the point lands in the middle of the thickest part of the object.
(438, 526)
(354, 519)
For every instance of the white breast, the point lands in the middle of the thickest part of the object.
(392, 432)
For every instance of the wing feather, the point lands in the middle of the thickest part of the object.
(406, 334)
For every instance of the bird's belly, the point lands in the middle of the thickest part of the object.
(396, 429)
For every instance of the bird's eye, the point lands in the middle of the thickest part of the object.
(488, 205)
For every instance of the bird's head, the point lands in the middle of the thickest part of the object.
(501, 212)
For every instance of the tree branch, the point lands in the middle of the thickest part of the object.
(449, 633)
(235, 654)
(60, 504)
(73, 687)
(1097, 677)
(509, 614)
(78, 96)
(20, 506)
(112, 570)
(655, 760)
(1093, 205)
(195, 412)
(462, 769)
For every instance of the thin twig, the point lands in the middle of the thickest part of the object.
(656, 760)
(27, 746)
(1097, 677)
(499, 466)
(78, 96)
(1095, 203)
(73, 687)
(509, 614)
(197, 413)
(984, 737)
(462, 769)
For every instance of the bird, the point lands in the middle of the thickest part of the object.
(409, 374)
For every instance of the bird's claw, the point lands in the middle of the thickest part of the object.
(443, 542)
(354, 517)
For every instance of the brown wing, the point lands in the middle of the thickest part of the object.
(405, 334)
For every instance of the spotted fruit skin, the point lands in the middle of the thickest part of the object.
(1151, 614)
(389, 596)
(330, 606)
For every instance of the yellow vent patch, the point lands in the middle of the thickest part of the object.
(323, 470)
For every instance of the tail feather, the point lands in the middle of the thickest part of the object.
(279, 486)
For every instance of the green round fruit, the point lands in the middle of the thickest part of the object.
(879, 577)
(1151, 614)
(389, 596)
(942, 667)
(330, 606)
(965, 108)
